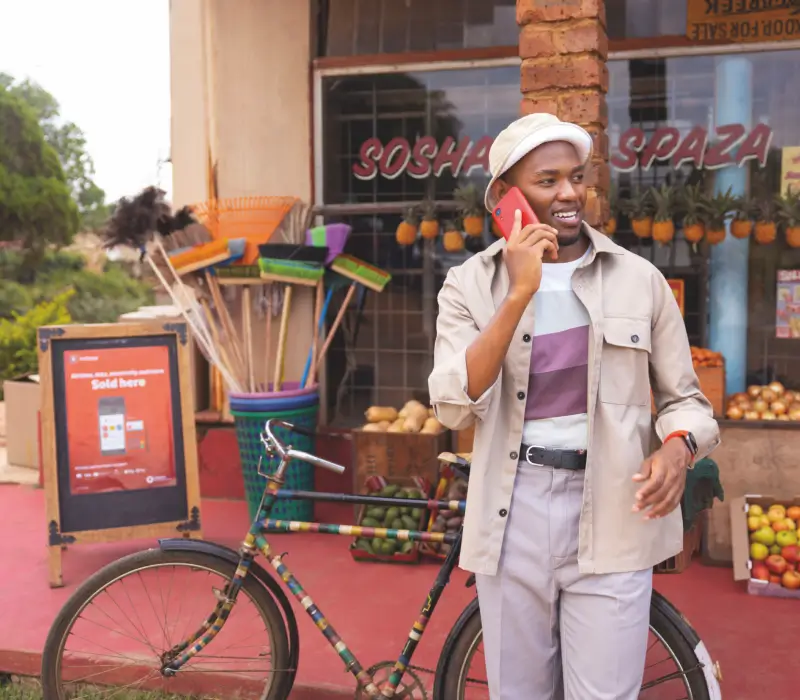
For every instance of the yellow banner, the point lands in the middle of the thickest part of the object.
(790, 168)
(742, 21)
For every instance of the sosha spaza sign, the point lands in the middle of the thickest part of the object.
(728, 145)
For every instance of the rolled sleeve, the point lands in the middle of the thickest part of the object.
(680, 405)
(447, 384)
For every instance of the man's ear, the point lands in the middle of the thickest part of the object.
(499, 189)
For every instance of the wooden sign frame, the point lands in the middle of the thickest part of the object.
(115, 514)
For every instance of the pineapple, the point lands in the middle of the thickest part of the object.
(470, 206)
(407, 230)
(663, 198)
(694, 203)
(742, 224)
(718, 208)
(453, 239)
(639, 208)
(765, 229)
(429, 228)
(788, 215)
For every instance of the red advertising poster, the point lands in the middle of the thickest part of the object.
(119, 419)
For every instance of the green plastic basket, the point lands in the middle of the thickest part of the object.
(299, 476)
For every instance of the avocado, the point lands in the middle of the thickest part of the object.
(406, 547)
(416, 513)
(388, 547)
(397, 524)
(392, 514)
(409, 523)
(377, 544)
(389, 490)
(376, 512)
(370, 522)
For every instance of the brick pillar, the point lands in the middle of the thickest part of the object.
(564, 48)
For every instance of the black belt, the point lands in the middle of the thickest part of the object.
(558, 459)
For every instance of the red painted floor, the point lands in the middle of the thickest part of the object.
(373, 606)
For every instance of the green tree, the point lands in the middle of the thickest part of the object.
(70, 144)
(36, 205)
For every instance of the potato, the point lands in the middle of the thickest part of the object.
(378, 414)
(432, 427)
(413, 408)
(372, 428)
(431, 413)
(397, 427)
(413, 423)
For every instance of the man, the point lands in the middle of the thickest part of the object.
(550, 344)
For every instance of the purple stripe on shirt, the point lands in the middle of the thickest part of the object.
(554, 351)
(559, 393)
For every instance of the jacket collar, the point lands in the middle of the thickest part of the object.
(600, 242)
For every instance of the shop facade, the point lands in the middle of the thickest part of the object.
(369, 107)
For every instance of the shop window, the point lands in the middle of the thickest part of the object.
(357, 27)
(385, 354)
(635, 19)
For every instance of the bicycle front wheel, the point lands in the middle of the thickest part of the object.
(672, 669)
(120, 626)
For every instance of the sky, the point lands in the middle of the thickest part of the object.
(107, 64)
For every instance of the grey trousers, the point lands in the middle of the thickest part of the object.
(550, 632)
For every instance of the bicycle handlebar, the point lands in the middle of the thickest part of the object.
(272, 443)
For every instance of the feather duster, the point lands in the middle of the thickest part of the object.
(136, 220)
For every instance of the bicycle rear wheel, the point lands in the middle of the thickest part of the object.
(672, 670)
(119, 626)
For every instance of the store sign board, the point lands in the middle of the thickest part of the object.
(729, 145)
(787, 324)
(742, 21)
(678, 288)
(790, 168)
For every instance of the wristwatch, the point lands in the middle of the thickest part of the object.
(688, 440)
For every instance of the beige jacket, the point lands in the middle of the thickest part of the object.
(637, 341)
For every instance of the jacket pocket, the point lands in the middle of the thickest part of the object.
(625, 361)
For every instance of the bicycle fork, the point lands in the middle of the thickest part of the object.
(181, 653)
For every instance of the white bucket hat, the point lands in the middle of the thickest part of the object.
(520, 137)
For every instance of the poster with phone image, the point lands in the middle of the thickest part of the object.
(119, 419)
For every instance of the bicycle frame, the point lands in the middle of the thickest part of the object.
(256, 542)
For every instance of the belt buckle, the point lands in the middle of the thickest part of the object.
(528, 455)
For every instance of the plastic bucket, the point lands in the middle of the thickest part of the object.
(299, 476)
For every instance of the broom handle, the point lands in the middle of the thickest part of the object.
(227, 323)
(218, 389)
(248, 336)
(268, 338)
(337, 322)
(309, 380)
(282, 337)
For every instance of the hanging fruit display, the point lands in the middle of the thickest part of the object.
(765, 230)
(663, 226)
(717, 210)
(693, 204)
(407, 229)
(429, 227)
(470, 206)
(453, 239)
(742, 223)
(788, 215)
(639, 208)
(611, 225)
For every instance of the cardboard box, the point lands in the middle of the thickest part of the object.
(740, 539)
(23, 398)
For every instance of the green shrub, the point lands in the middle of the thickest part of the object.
(14, 297)
(18, 354)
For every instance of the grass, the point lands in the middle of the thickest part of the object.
(18, 688)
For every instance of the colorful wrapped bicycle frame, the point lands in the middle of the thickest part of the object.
(256, 541)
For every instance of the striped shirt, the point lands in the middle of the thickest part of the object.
(557, 401)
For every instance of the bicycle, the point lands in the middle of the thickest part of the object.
(180, 659)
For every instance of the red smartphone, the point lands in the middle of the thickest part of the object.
(503, 212)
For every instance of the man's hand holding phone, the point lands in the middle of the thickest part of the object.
(524, 254)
